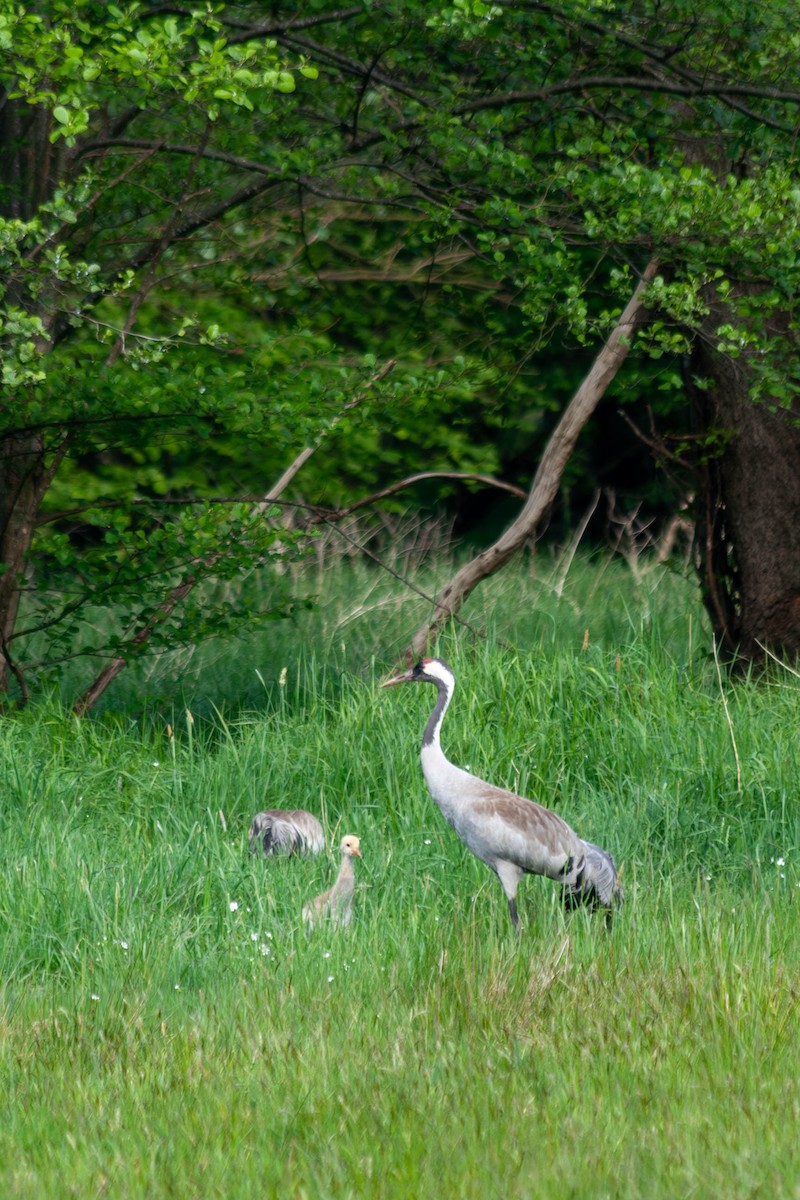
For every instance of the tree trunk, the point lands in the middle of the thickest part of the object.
(25, 475)
(749, 513)
(548, 476)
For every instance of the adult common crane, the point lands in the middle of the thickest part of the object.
(286, 831)
(512, 835)
(337, 902)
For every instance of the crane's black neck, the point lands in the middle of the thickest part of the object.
(431, 733)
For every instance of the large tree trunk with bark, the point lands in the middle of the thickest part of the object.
(30, 166)
(26, 471)
(749, 513)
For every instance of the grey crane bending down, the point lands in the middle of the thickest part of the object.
(286, 831)
(337, 902)
(512, 835)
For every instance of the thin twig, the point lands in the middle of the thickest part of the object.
(489, 480)
(572, 549)
(304, 455)
(779, 661)
(412, 587)
(18, 674)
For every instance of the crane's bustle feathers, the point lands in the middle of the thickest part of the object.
(594, 880)
(286, 831)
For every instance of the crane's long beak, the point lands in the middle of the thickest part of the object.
(406, 677)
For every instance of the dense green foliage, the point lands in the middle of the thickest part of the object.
(217, 225)
(168, 1029)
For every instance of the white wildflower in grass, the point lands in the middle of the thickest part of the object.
(427, 841)
(330, 979)
(327, 954)
(253, 937)
(177, 987)
(234, 904)
(780, 862)
(265, 949)
(282, 678)
(95, 996)
(122, 943)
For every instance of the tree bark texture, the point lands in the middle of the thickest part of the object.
(548, 476)
(31, 165)
(749, 513)
(26, 471)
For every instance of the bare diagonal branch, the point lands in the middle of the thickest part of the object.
(548, 475)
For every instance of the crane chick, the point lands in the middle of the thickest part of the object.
(286, 831)
(337, 902)
(512, 835)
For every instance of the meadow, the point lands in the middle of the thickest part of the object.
(169, 1029)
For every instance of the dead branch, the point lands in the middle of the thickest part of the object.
(548, 476)
(394, 488)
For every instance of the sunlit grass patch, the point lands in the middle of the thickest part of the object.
(169, 1028)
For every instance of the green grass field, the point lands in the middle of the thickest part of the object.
(168, 1029)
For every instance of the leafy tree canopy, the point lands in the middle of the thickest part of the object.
(218, 223)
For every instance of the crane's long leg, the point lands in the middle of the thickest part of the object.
(509, 875)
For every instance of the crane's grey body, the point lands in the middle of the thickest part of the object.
(337, 902)
(286, 831)
(512, 835)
